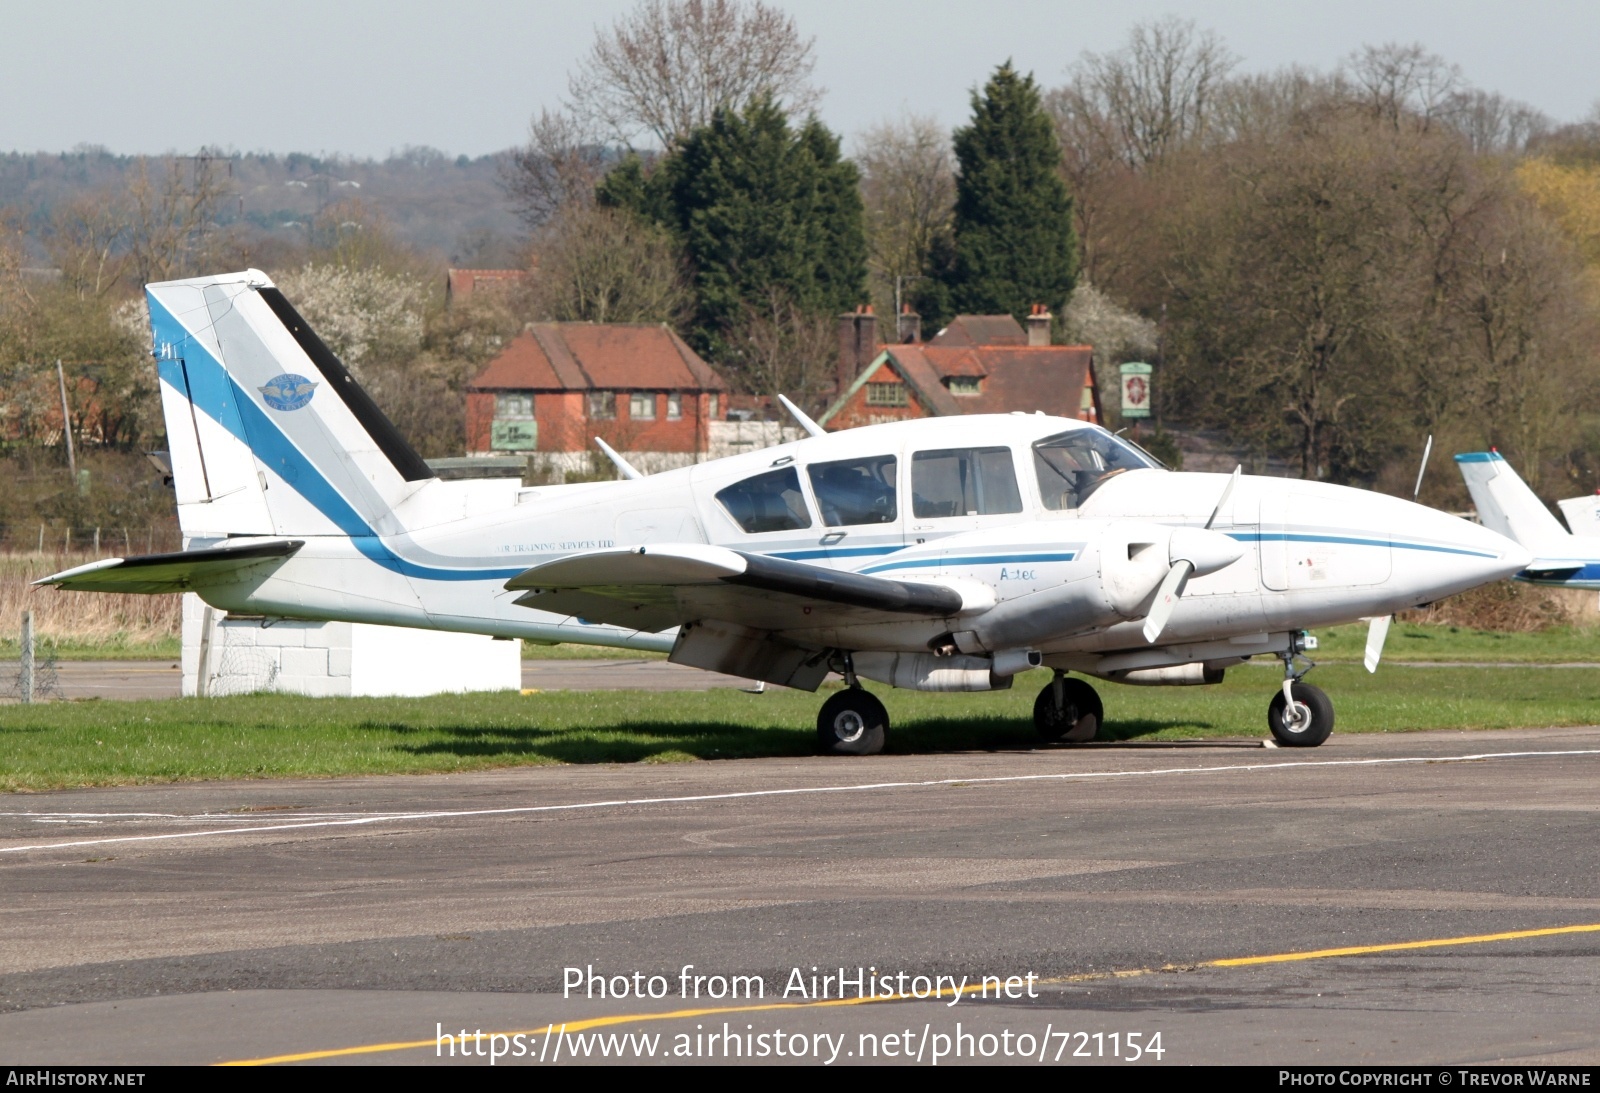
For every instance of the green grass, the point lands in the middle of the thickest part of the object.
(1407, 642)
(114, 649)
(266, 736)
(1415, 642)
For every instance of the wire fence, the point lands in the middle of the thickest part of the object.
(100, 540)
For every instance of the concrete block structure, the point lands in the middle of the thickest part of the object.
(225, 655)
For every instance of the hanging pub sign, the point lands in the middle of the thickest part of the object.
(1136, 389)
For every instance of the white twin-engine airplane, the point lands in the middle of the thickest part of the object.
(944, 555)
(1506, 504)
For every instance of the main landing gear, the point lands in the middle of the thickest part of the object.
(852, 722)
(1300, 715)
(1068, 710)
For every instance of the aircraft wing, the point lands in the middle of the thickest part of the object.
(175, 572)
(656, 587)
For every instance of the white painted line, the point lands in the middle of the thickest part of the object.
(456, 814)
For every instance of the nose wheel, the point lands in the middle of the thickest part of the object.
(1068, 710)
(1300, 715)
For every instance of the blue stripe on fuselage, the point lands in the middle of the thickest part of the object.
(1349, 540)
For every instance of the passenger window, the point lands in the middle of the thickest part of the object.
(1073, 465)
(964, 482)
(855, 491)
(767, 502)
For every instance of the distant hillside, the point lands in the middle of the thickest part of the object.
(454, 209)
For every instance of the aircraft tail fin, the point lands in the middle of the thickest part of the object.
(1506, 504)
(269, 433)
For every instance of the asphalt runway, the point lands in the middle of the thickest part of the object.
(1193, 890)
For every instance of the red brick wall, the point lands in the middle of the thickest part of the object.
(564, 425)
(856, 412)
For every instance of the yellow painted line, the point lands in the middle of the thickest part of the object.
(1083, 977)
(1362, 950)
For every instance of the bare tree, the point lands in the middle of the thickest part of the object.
(561, 163)
(667, 67)
(607, 266)
(88, 241)
(1494, 124)
(172, 217)
(780, 348)
(908, 192)
(1395, 82)
(1149, 98)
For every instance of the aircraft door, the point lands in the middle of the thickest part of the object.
(962, 489)
(1273, 549)
(859, 502)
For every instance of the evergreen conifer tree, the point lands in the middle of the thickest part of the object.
(762, 209)
(1015, 245)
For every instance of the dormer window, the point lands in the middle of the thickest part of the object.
(965, 385)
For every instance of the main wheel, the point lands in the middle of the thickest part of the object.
(1307, 724)
(852, 722)
(1076, 719)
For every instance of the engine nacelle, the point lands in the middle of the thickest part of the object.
(927, 672)
(1177, 675)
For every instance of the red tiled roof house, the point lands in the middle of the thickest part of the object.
(556, 386)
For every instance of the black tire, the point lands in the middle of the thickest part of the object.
(1076, 721)
(1315, 723)
(852, 722)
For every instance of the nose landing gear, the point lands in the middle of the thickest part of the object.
(1300, 715)
(1067, 710)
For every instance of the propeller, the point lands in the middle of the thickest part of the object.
(1191, 551)
(1377, 634)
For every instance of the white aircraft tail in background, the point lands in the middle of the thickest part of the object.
(1506, 504)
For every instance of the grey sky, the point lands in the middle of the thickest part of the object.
(367, 78)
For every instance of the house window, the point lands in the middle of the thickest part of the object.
(602, 405)
(716, 404)
(966, 385)
(887, 394)
(513, 406)
(642, 406)
(674, 406)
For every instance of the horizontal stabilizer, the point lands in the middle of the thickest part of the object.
(179, 571)
(658, 586)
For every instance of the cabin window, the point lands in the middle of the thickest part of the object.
(964, 482)
(674, 406)
(887, 394)
(767, 502)
(513, 406)
(855, 491)
(602, 405)
(1073, 465)
(642, 406)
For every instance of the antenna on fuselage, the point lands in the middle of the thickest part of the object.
(1427, 450)
(800, 415)
(628, 470)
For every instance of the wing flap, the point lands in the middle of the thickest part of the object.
(178, 571)
(655, 587)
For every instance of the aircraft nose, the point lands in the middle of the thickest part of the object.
(1445, 554)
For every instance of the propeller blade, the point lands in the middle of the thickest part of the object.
(1377, 634)
(1227, 492)
(1167, 597)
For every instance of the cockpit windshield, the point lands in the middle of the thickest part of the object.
(1074, 464)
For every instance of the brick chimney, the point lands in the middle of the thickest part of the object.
(1039, 325)
(858, 343)
(908, 326)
